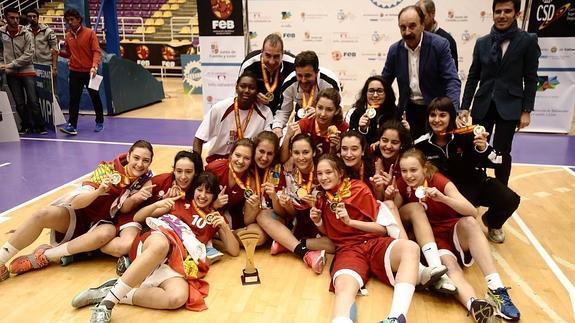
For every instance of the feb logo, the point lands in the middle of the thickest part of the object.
(386, 4)
(222, 9)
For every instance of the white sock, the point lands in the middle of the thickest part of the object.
(468, 304)
(431, 254)
(7, 251)
(494, 281)
(129, 299)
(119, 291)
(402, 294)
(54, 254)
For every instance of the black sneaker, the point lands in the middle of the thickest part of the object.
(42, 131)
(24, 131)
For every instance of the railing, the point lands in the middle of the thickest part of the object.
(183, 27)
(21, 5)
(127, 27)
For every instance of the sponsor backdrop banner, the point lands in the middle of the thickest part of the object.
(222, 40)
(554, 23)
(352, 37)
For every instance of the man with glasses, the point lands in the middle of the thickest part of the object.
(83, 50)
(16, 51)
(45, 42)
(422, 64)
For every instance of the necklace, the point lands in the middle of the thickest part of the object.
(241, 127)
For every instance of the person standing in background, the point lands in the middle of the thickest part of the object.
(83, 50)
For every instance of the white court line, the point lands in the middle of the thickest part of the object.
(5, 164)
(40, 196)
(538, 300)
(564, 263)
(569, 170)
(541, 165)
(548, 260)
(516, 177)
(100, 142)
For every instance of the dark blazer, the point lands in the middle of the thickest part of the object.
(452, 45)
(437, 74)
(511, 83)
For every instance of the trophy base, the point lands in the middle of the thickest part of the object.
(250, 278)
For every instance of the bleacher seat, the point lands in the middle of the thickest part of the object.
(149, 22)
(150, 30)
(165, 7)
(167, 14)
(175, 6)
(157, 14)
(186, 30)
(159, 22)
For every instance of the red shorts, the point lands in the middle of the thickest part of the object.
(79, 224)
(365, 259)
(304, 227)
(448, 244)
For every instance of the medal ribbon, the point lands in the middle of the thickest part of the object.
(258, 183)
(241, 128)
(199, 211)
(344, 191)
(269, 87)
(309, 180)
(238, 180)
(306, 103)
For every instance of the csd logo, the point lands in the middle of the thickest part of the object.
(349, 54)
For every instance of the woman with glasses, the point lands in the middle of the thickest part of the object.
(375, 105)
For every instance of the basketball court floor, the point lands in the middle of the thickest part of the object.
(537, 259)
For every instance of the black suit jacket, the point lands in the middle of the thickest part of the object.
(452, 45)
(510, 83)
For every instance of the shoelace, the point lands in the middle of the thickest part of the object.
(100, 314)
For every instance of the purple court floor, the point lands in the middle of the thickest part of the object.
(38, 164)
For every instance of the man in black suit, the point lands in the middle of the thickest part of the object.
(429, 23)
(505, 65)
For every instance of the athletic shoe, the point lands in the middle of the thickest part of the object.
(504, 307)
(445, 285)
(315, 259)
(213, 254)
(122, 265)
(99, 127)
(494, 235)
(94, 295)
(32, 261)
(69, 129)
(429, 276)
(24, 131)
(483, 312)
(4, 273)
(101, 314)
(42, 131)
(277, 248)
(399, 319)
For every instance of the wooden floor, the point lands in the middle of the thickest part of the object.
(290, 292)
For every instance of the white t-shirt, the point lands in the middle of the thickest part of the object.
(219, 125)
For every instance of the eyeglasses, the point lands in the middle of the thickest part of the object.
(379, 91)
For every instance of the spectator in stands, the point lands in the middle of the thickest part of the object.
(45, 42)
(83, 50)
(422, 64)
(16, 53)
(302, 87)
(430, 24)
(271, 65)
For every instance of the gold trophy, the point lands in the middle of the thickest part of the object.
(249, 239)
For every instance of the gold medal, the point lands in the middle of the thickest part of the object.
(301, 192)
(333, 206)
(270, 96)
(371, 113)
(248, 192)
(478, 130)
(210, 217)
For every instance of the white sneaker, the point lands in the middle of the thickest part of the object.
(430, 275)
(445, 285)
(101, 314)
(213, 254)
